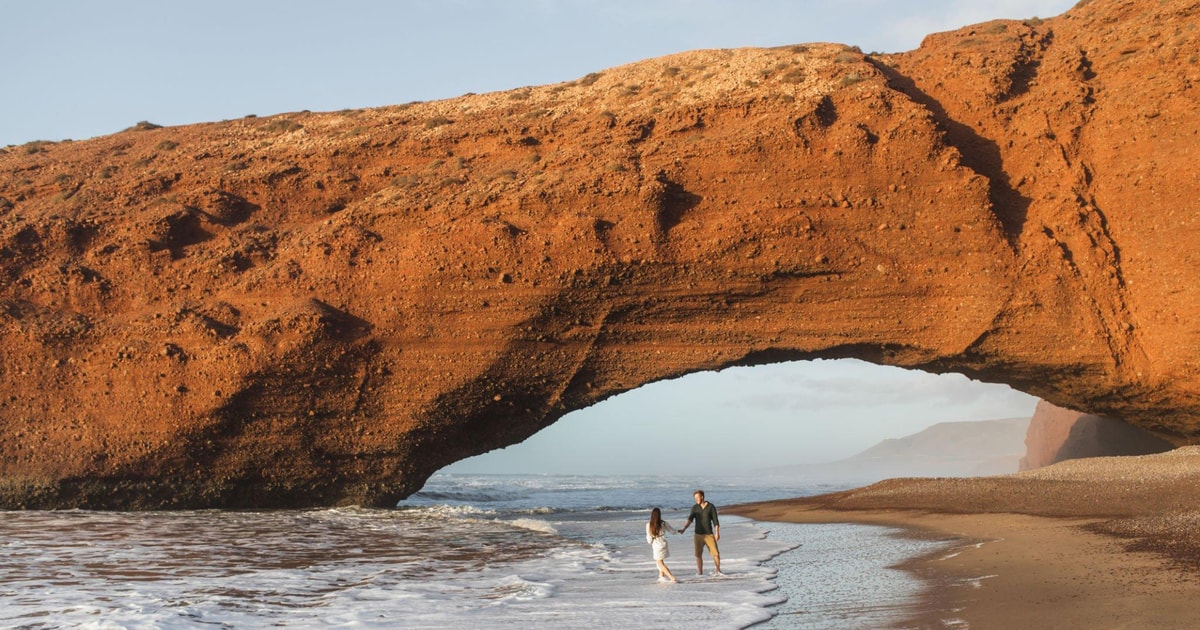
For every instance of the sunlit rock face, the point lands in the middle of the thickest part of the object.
(1056, 434)
(325, 308)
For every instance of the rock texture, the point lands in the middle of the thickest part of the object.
(316, 309)
(1057, 434)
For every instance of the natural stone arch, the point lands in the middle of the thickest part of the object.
(793, 418)
(313, 309)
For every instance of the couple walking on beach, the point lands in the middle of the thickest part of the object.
(707, 533)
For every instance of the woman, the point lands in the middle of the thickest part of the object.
(658, 543)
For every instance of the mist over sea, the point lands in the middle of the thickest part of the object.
(496, 551)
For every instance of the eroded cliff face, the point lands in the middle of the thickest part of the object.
(325, 308)
(1056, 434)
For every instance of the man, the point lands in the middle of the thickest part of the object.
(708, 531)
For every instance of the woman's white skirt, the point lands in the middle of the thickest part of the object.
(659, 547)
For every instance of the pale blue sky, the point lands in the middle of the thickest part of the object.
(82, 68)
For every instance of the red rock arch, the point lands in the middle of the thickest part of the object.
(312, 309)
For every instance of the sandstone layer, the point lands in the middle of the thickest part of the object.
(326, 308)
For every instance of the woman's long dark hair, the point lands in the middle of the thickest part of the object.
(655, 522)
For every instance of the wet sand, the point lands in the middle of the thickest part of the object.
(1100, 543)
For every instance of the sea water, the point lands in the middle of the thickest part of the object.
(467, 551)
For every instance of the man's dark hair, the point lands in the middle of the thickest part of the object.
(699, 492)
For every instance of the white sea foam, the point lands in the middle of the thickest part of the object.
(534, 524)
(977, 582)
(516, 588)
(458, 511)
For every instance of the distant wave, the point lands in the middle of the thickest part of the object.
(468, 497)
(456, 511)
(534, 524)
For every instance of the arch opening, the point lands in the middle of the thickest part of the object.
(792, 417)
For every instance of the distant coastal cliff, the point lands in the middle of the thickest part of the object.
(325, 308)
(945, 449)
(1057, 434)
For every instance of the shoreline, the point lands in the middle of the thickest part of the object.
(1012, 570)
(1104, 543)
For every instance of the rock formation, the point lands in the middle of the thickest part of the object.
(325, 308)
(1057, 434)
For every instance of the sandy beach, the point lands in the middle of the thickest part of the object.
(1098, 543)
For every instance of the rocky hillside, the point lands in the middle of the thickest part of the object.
(946, 449)
(325, 308)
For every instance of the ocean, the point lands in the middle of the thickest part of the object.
(486, 551)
